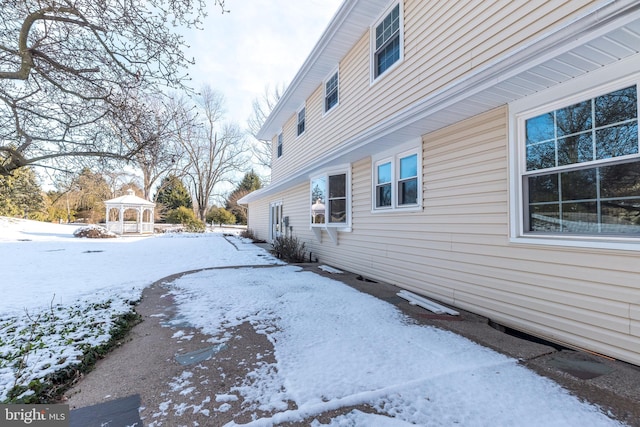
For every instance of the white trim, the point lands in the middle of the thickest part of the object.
(303, 107)
(604, 80)
(279, 144)
(394, 156)
(372, 42)
(334, 72)
(272, 205)
(339, 226)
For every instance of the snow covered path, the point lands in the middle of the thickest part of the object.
(334, 347)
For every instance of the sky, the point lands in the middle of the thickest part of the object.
(326, 353)
(258, 44)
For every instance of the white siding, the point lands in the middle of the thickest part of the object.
(444, 41)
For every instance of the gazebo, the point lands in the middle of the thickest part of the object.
(119, 214)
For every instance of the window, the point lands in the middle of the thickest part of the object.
(580, 172)
(387, 43)
(331, 92)
(397, 182)
(301, 120)
(383, 185)
(280, 144)
(330, 199)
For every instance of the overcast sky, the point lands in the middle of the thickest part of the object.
(259, 43)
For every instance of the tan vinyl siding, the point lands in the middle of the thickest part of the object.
(258, 219)
(444, 41)
(457, 250)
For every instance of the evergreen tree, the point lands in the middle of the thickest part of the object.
(20, 195)
(250, 182)
(172, 194)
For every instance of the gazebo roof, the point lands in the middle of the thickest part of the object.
(129, 199)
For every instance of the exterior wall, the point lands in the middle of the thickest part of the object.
(444, 41)
(457, 250)
(258, 219)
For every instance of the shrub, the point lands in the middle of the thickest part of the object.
(94, 232)
(220, 216)
(288, 248)
(186, 217)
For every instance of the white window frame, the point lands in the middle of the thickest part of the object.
(336, 73)
(599, 82)
(372, 42)
(279, 145)
(339, 226)
(394, 157)
(304, 122)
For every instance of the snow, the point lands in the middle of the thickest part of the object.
(334, 347)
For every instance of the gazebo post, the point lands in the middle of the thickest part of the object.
(121, 219)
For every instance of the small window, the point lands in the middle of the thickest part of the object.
(397, 181)
(383, 185)
(387, 43)
(331, 92)
(330, 203)
(301, 121)
(280, 144)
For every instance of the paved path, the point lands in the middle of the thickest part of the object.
(182, 377)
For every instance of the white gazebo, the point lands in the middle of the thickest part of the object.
(119, 214)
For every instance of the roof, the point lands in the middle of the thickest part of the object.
(129, 199)
(608, 33)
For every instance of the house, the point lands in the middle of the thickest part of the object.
(481, 153)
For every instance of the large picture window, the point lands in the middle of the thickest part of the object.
(582, 167)
(397, 181)
(330, 202)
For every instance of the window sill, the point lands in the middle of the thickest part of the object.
(588, 242)
(395, 211)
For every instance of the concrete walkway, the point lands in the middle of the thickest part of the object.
(180, 377)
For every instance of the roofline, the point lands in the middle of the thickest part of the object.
(351, 21)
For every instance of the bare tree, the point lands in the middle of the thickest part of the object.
(214, 150)
(66, 64)
(148, 130)
(262, 107)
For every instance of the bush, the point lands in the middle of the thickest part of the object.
(94, 232)
(220, 216)
(288, 248)
(187, 218)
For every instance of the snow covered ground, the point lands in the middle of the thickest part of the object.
(334, 346)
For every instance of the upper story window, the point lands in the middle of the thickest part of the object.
(397, 180)
(387, 41)
(280, 144)
(301, 120)
(331, 87)
(331, 200)
(580, 166)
